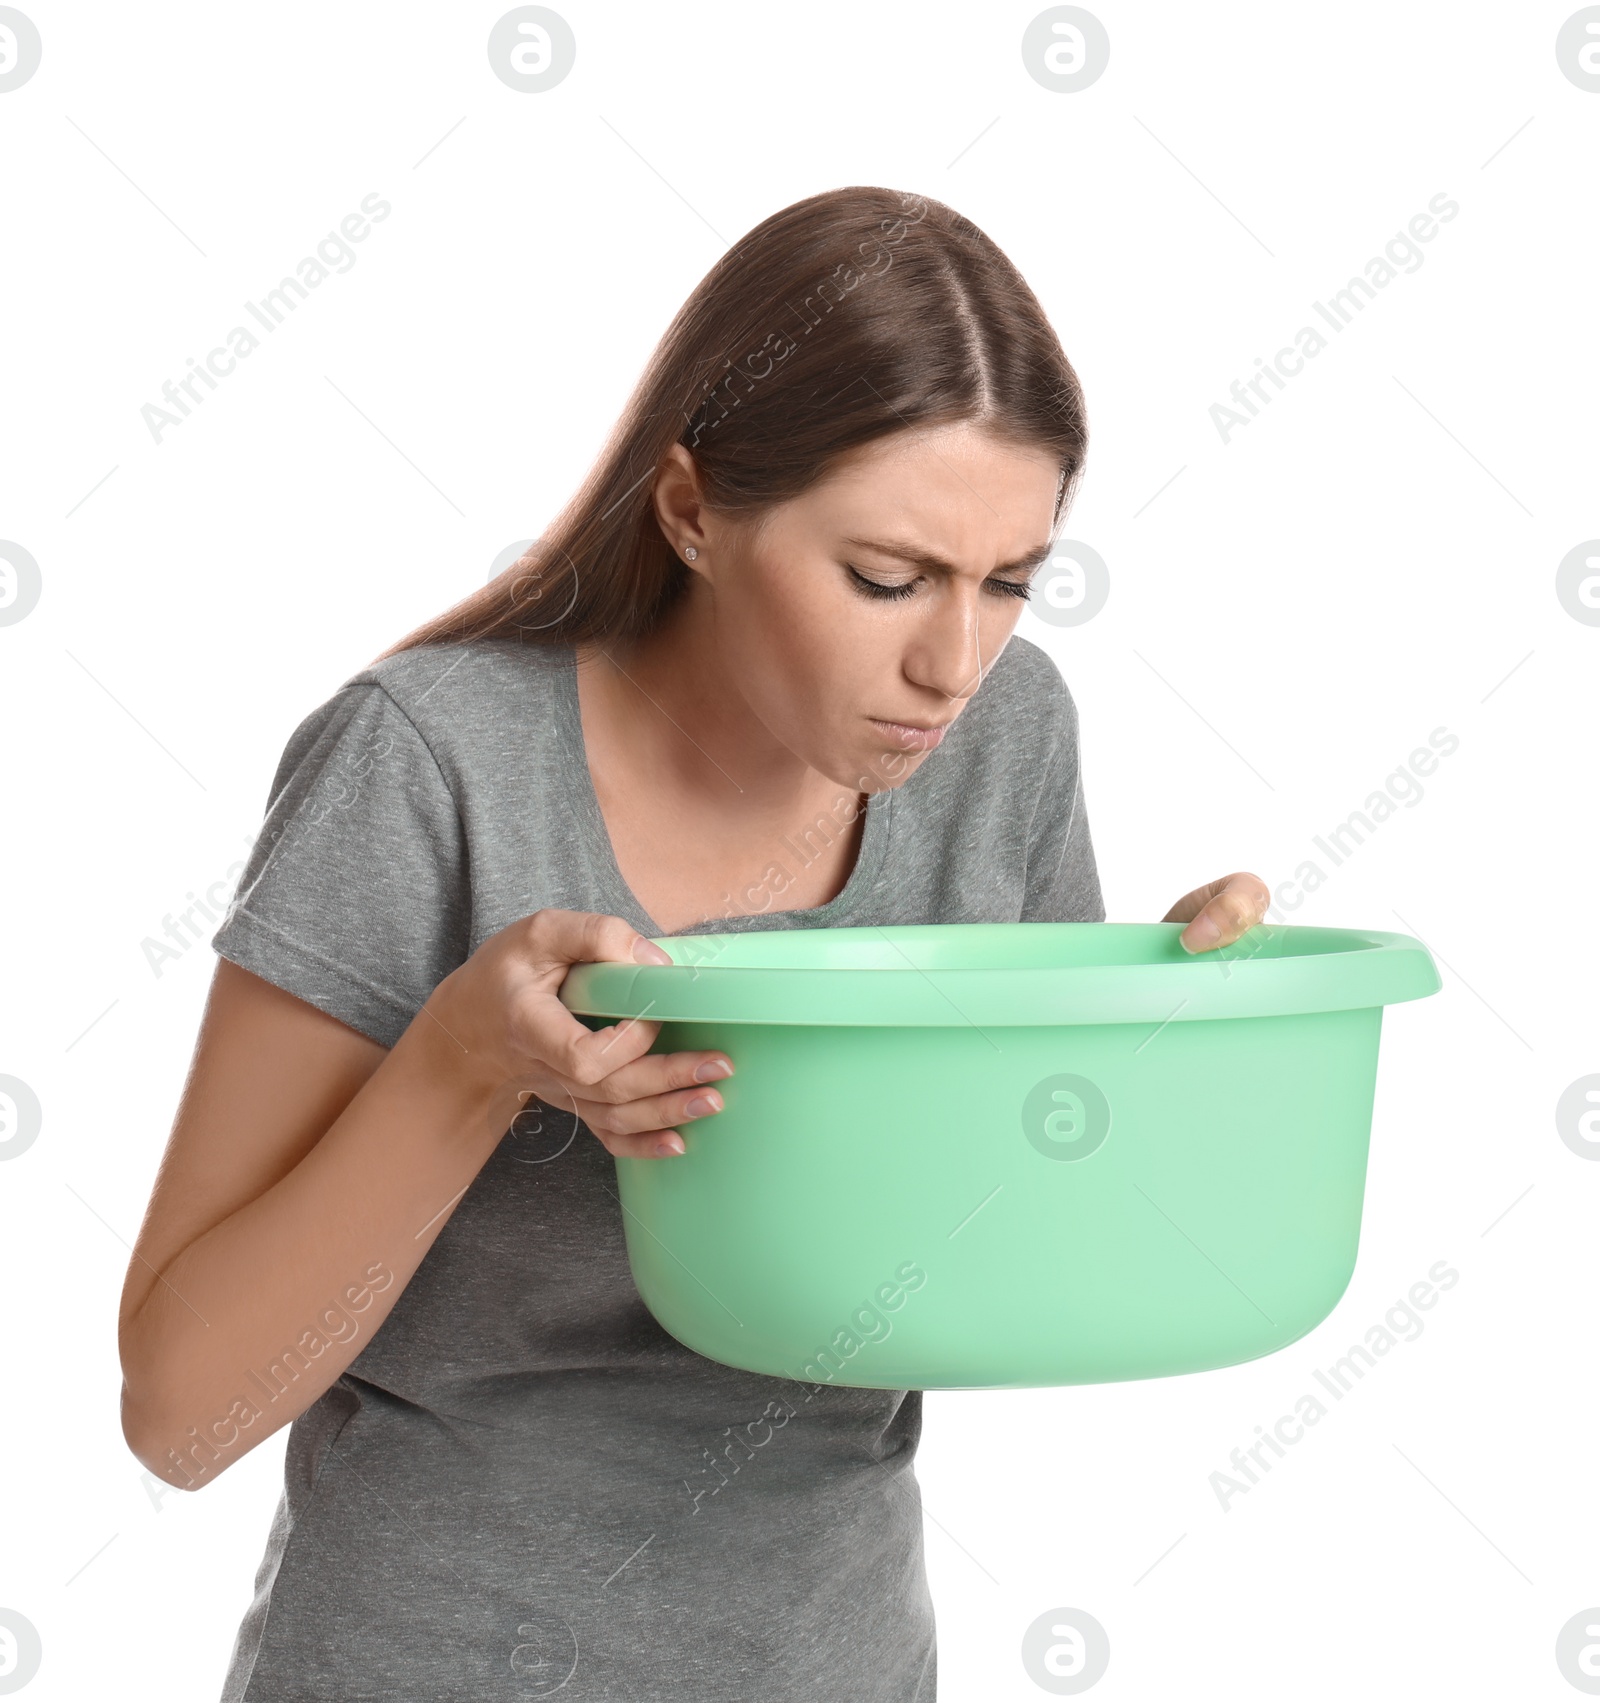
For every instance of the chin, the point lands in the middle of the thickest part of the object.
(860, 764)
(876, 768)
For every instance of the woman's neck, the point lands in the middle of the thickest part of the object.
(664, 707)
(697, 795)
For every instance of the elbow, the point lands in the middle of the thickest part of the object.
(163, 1431)
(176, 1453)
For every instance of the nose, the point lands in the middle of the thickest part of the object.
(945, 653)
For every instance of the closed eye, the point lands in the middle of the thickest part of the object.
(906, 588)
(877, 588)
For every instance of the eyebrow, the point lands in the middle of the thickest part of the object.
(928, 561)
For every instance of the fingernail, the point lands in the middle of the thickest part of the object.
(702, 1105)
(647, 952)
(669, 1144)
(713, 1070)
(1200, 934)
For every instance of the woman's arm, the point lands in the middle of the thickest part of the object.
(309, 1171)
(303, 1167)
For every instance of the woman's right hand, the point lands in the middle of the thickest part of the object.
(501, 1007)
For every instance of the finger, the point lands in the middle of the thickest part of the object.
(557, 939)
(658, 1111)
(657, 1073)
(1189, 907)
(550, 1097)
(554, 941)
(575, 1054)
(618, 1046)
(1240, 903)
(650, 1144)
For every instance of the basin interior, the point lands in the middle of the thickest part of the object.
(995, 946)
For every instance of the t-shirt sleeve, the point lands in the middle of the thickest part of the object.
(356, 895)
(1063, 879)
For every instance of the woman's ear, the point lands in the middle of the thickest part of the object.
(679, 505)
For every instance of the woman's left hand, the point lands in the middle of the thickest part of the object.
(1221, 911)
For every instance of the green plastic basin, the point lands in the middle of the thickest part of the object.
(998, 1155)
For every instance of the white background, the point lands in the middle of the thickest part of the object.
(1372, 558)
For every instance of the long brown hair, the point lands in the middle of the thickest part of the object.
(844, 317)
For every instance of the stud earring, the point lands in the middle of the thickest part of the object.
(691, 553)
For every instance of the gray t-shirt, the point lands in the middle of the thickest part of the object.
(523, 1483)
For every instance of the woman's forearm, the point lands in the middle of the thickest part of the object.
(256, 1318)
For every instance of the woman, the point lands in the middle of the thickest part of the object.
(759, 674)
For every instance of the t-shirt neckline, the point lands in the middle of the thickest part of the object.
(624, 902)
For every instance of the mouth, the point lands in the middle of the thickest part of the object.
(909, 735)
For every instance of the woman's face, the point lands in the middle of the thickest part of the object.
(857, 620)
